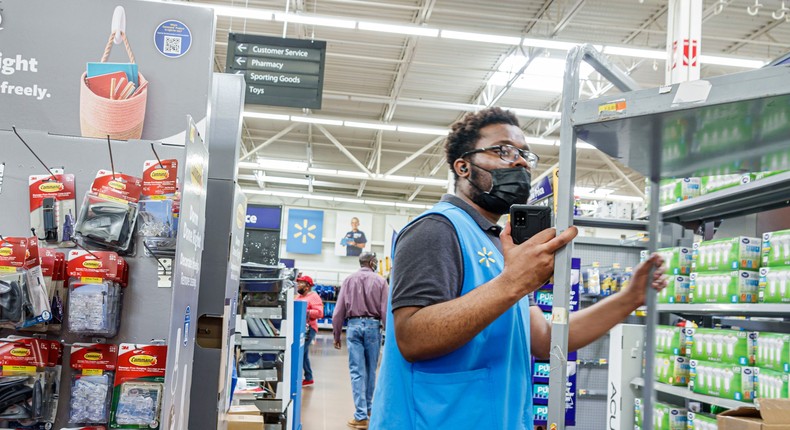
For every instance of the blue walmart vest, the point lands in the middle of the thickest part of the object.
(485, 384)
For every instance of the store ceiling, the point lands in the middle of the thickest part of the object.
(429, 82)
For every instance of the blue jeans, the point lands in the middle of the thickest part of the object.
(364, 341)
(308, 339)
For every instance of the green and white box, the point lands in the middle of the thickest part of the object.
(672, 369)
(772, 351)
(677, 190)
(669, 417)
(670, 340)
(722, 346)
(700, 421)
(677, 260)
(771, 384)
(776, 248)
(677, 290)
(736, 253)
(727, 381)
(710, 184)
(737, 286)
(638, 415)
(774, 285)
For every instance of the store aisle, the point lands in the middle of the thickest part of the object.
(328, 404)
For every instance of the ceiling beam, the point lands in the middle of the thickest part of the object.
(415, 155)
(269, 141)
(343, 149)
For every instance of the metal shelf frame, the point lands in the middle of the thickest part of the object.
(685, 393)
(740, 309)
(634, 127)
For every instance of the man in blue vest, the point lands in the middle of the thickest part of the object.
(460, 310)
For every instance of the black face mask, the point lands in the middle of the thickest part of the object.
(509, 186)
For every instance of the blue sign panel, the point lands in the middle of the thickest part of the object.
(541, 190)
(268, 217)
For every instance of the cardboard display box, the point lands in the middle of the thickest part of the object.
(736, 253)
(678, 260)
(723, 346)
(245, 422)
(774, 282)
(677, 290)
(738, 286)
(774, 414)
(672, 369)
(772, 351)
(244, 410)
(727, 381)
(776, 248)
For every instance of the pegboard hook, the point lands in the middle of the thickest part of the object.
(754, 10)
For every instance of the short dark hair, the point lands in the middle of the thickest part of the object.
(465, 133)
(366, 257)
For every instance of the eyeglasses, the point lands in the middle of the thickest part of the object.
(508, 153)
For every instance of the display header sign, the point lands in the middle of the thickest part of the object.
(541, 190)
(266, 217)
(278, 72)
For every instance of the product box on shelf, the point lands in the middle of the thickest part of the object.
(678, 190)
(772, 351)
(710, 184)
(734, 253)
(771, 384)
(139, 386)
(672, 369)
(677, 260)
(700, 421)
(772, 414)
(677, 290)
(670, 340)
(724, 346)
(245, 422)
(738, 286)
(728, 381)
(776, 248)
(665, 416)
(773, 285)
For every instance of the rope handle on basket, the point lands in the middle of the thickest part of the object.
(108, 48)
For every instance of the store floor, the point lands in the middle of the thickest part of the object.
(328, 404)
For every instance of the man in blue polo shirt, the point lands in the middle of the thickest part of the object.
(460, 310)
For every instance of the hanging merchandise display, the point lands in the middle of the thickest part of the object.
(53, 207)
(29, 382)
(139, 385)
(93, 367)
(159, 208)
(23, 297)
(96, 282)
(53, 267)
(109, 211)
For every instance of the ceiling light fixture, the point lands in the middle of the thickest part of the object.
(315, 20)
(480, 37)
(370, 125)
(398, 29)
(315, 120)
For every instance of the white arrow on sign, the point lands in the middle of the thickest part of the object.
(241, 47)
(240, 72)
(241, 61)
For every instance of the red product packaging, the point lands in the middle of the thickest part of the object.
(93, 367)
(96, 281)
(159, 180)
(139, 380)
(22, 285)
(53, 207)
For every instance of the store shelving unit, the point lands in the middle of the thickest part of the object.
(634, 127)
(739, 309)
(685, 393)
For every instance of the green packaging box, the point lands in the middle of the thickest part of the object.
(700, 421)
(672, 369)
(776, 248)
(727, 381)
(669, 417)
(677, 290)
(677, 190)
(736, 253)
(767, 174)
(710, 184)
(677, 260)
(738, 286)
(774, 285)
(722, 346)
(771, 384)
(772, 351)
(638, 416)
(670, 340)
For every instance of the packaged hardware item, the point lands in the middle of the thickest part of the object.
(771, 384)
(773, 285)
(24, 300)
(53, 267)
(109, 212)
(610, 281)
(725, 346)
(727, 381)
(677, 260)
(29, 382)
(96, 282)
(678, 190)
(159, 208)
(739, 286)
(672, 369)
(93, 367)
(727, 254)
(670, 340)
(669, 417)
(676, 291)
(139, 386)
(710, 184)
(776, 248)
(593, 280)
(701, 421)
(772, 351)
(53, 207)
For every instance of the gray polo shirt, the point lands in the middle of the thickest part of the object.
(428, 266)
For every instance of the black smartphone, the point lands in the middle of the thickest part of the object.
(527, 221)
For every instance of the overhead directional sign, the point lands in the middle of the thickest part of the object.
(279, 72)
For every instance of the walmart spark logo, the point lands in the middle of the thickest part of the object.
(304, 231)
(485, 257)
